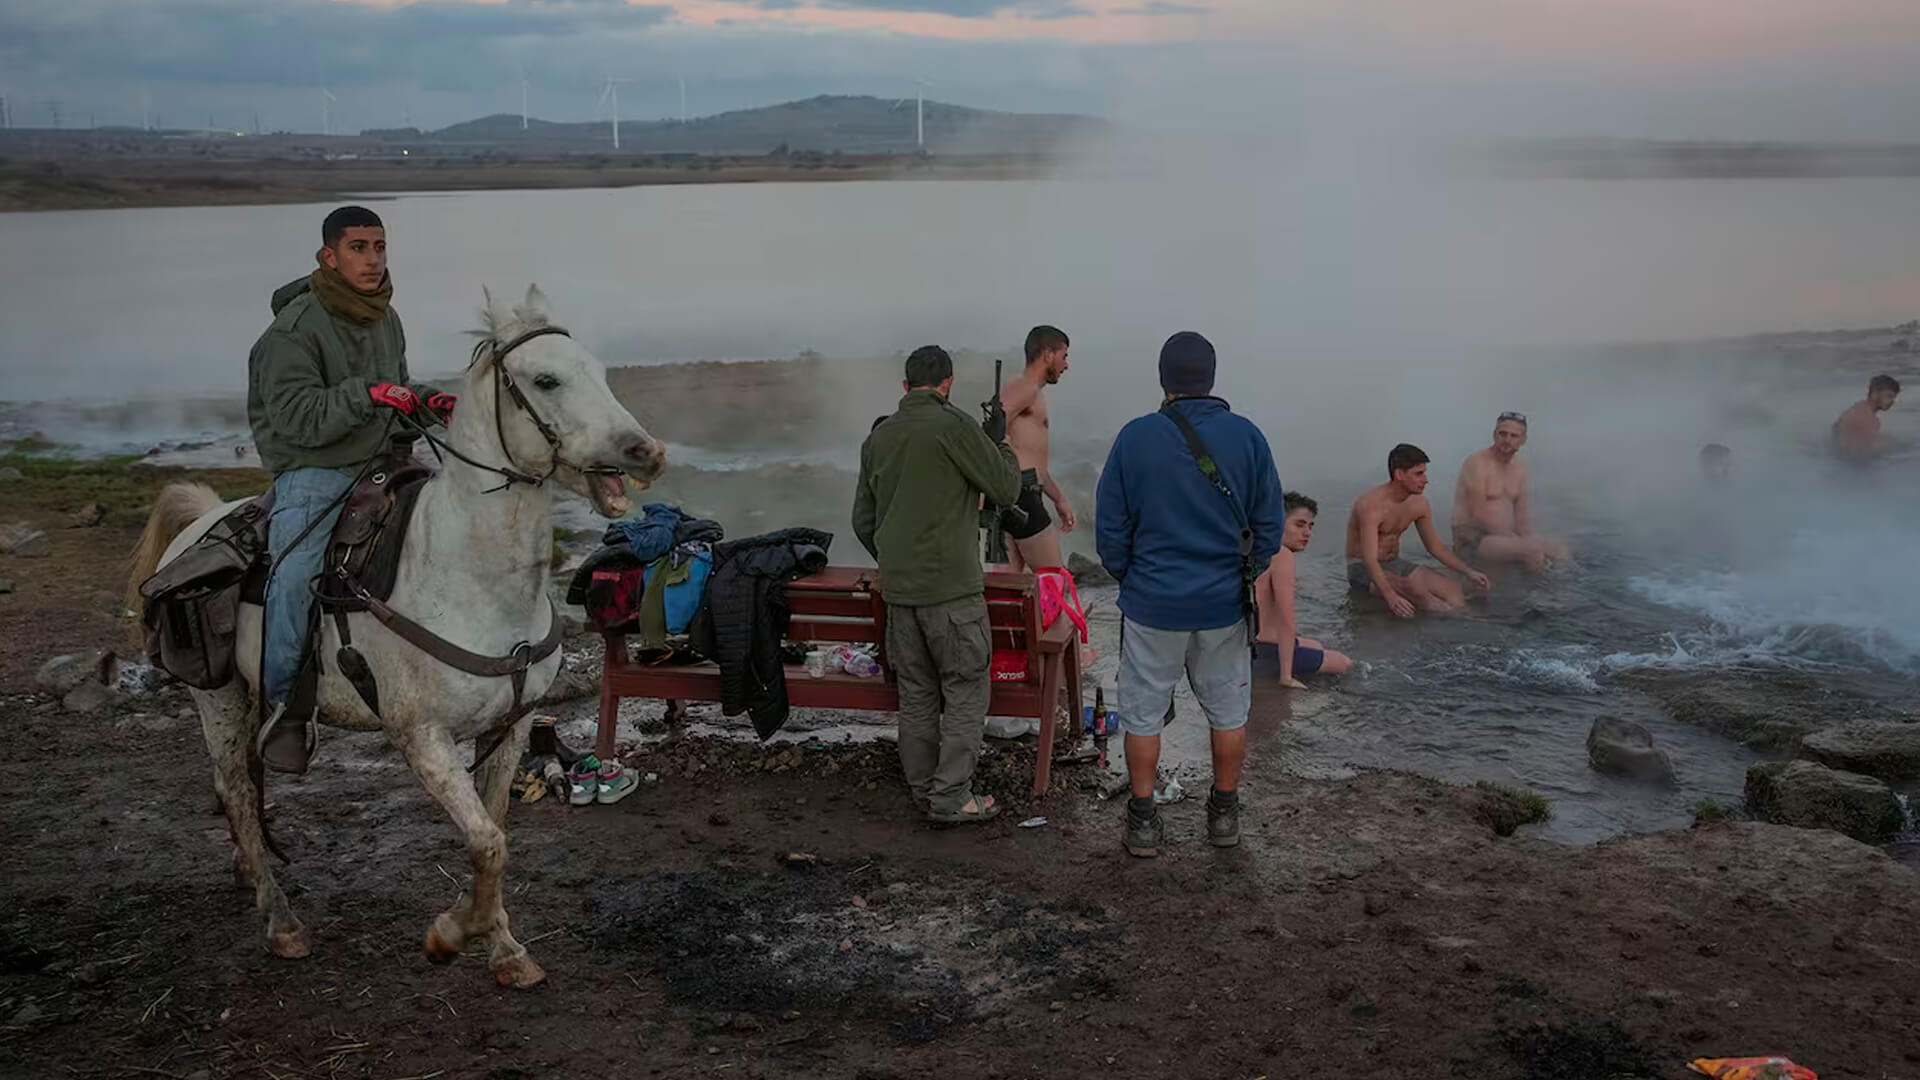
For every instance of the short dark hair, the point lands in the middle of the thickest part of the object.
(1714, 451)
(1293, 500)
(928, 366)
(1043, 339)
(1883, 382)
(1405, 456)
(347, 217)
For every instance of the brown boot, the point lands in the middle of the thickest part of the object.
(285, 744)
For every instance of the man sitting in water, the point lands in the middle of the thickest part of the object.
(1856, 435)
(1280, 638)
(1373, 543)
(1491, 521)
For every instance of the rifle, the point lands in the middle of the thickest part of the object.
(992, 517)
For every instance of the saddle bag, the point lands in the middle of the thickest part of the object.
(191, 605)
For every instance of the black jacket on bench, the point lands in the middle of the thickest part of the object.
(744, 618)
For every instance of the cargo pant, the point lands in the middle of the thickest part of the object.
(940, 655)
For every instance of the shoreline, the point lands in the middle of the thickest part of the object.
(133, 183)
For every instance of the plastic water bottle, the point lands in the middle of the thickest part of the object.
(856, 662)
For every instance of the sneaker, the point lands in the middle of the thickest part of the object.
(1223, 820)
(1143, 836)
(583, 781)
(616, 782)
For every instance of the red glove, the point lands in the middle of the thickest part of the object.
(441, 405)
(394, 396)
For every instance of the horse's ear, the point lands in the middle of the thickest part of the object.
(535, 308)
(498, 315)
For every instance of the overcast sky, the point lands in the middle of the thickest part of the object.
(1818, 69)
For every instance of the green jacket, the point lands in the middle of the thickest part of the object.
(307, 381)
(917, 509)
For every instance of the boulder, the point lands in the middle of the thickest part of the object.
(1887, 749)
(1088, 574)
(10, 473)
(23, 540)
(1812, 796)
(58, 676)
(1624, 748)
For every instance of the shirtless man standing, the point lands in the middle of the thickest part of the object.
(1373, 543)
(1036, 542)
(1856, 435)
(1491, 522)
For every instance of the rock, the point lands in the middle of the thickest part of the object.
(60, 675)
(1624, 748)
(28, 1014)
(88, 698)
(10, 473)
(1812, 796)
(1088, 574)
(89, 516)
(5, 586)
(23, 540)
(1887, 749)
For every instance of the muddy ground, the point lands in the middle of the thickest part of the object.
(1367, 927)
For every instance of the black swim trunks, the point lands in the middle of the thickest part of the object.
(1359, 581)
(1035, 504)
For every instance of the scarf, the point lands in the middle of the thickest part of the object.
(343, 301)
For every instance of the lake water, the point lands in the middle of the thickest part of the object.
(1351, 313)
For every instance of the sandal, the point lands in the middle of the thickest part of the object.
(983, 811)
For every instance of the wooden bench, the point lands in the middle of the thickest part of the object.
(843, 604)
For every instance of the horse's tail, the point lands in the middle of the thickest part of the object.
(178, 506)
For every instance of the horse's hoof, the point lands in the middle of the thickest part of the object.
(290, 944)
(519, 972)
(440, 947)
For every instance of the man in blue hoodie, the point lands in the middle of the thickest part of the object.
(1183, 530)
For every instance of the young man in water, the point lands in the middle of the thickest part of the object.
(1491, 519)
(1280, 639)
(1373, 543)
(319, 384)
(1035, 542)
(1856, 435)
(1171, 534)
(916, 510)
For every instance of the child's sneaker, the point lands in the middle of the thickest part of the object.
(583, 781)
(616, 782)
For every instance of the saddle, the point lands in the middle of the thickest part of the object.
(192, 602)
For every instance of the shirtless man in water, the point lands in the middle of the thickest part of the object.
(1373, 543)
(1036, 542)
(1856, 435)
(1491, 522)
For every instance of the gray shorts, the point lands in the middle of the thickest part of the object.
(1358, 580)
(1217, 663)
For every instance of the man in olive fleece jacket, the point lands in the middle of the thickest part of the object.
(917, 512)
(318, 382)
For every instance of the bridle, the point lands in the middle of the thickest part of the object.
(495, 353)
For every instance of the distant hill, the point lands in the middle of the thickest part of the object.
(825, 124)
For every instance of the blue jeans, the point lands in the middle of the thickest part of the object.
(300, 495)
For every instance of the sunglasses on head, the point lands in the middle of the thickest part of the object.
(1518, 418)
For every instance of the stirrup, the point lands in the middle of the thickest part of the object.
(266, 739)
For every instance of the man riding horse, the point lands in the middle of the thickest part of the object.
(319, 381)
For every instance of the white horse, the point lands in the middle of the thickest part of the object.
(473, 570)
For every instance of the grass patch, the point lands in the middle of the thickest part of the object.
(62, 485)
(1504, 807)
(1707, 812)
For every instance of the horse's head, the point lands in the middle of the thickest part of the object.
(552, 411)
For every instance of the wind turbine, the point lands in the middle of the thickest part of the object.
(326, 113)
(612, 95)
(919, 111)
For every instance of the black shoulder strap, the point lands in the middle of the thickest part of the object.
(1204, 458)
